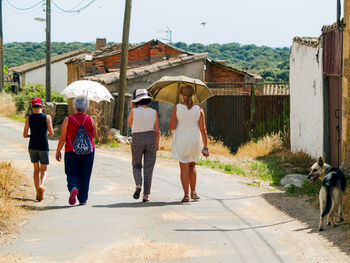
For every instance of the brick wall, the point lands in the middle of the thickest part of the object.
(148, 53)
(220, 73)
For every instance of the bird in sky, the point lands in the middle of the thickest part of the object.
(203, 23)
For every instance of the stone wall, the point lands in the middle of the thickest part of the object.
(101, 113)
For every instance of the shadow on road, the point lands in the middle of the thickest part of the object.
(22, 199)
(304, 212)
(44, 208)
(138, 204)
(233, 229)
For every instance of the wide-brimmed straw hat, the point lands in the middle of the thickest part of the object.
(140, 95)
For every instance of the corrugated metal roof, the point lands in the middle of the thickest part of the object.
(138, 72)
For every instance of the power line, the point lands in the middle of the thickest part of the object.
(73, 11)
(25, 8)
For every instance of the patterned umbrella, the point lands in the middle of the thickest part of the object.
(167, 89)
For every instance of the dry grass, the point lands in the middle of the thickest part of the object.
(13, 187)
(267, 145)
(7, 105)
(216, 147)
(165, 142)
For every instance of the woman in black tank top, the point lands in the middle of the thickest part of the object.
(40, 126)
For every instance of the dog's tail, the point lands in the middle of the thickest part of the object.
(328, 206)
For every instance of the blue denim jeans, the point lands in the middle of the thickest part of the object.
(78, 169)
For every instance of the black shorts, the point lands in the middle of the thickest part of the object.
(39, 156)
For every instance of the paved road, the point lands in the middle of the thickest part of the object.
(231, 222)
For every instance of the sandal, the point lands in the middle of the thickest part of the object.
(186, 199)
(145, 199)
(194, 196)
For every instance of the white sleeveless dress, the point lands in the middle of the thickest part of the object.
(187, 143)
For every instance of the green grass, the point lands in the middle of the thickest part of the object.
(16, 117)
(108, 145)
(307, 188)
(227, 168)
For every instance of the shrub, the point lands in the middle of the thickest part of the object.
(31, 91)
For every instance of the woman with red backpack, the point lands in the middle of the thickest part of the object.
(78, 131)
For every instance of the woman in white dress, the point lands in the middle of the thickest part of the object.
(189, 140)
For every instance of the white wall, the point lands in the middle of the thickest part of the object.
(58, 76)
(306, 100)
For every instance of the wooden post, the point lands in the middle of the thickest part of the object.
(48, 51)
(123, 66)
(252, 110)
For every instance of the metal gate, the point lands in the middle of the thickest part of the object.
(241, 111)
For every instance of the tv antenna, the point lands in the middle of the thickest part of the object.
(203, 23)
(168, 33)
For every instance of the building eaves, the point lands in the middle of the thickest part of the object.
(41, 63)
(142, 71)
(307, 41)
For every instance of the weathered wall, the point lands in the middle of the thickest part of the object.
(148, 53)
(306, 100)
(218, 73)
(58, 75)
(75, 71)
(345, 156)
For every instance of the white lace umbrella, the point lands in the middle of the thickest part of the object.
(91, 89)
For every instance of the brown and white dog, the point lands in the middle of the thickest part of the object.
(331, 193)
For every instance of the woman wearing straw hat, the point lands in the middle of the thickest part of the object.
(189, 139)
(143, 121)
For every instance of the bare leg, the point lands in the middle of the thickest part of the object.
(43, 174)
(36, 175)
(193, 176)
(185, 177)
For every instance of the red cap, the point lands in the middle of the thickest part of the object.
(37, 101)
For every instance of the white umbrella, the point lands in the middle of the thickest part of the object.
(91, 89)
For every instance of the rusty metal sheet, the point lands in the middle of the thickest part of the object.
(332, 52)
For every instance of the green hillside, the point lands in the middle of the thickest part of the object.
(271, 63)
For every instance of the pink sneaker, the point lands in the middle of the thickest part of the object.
(73, 195)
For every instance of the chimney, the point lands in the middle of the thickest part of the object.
(100, 43)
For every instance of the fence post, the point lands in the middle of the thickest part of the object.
(252, 110)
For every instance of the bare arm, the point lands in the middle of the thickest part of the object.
(203, 128)
(131, 118)
(94, 131)
(156, 130)
(173, 119)
(26, 128)
(62, 139)
(49, 125)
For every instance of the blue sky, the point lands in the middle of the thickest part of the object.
(262, 22)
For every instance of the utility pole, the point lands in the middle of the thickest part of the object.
(1, 52)
(48, 51)
(123, 66)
